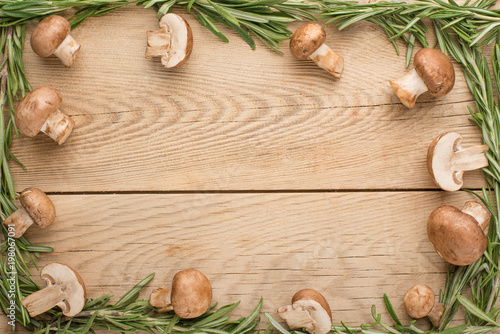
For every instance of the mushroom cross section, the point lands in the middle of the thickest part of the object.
(189, 297)
(65, 289)
(308, 42)
(39, 111)
(433, 72)
(309, 310)
(173, 42)
(458, 235)
(419, 302)
(37, 208)
(51, 37)
(447, 160)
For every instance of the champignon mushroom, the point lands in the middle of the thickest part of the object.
(420, 302)
(65, 289)
(36, 208)
(189, 297)
(458, 236)
(308, 42)
(309, 310)
(39, 111)
(433, 72)
(447, 160)
(173, 42)
(51, 37)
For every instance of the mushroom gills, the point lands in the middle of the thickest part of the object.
(67, 51)
(447, 160)
(172, 42)
(328, 60)
(158, 43)
(409, 88)
(21, 221)
(58, 127)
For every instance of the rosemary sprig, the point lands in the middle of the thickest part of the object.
(130, 315)
(266, 19)
(457, 33)
(380, 327)
(472, 22)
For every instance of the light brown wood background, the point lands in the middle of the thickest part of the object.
(260, 170)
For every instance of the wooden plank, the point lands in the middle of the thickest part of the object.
(354, 247)
(233, 118)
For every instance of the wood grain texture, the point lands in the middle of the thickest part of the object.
(233, 118)
(354, 247)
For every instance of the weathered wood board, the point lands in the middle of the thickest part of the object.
(352, 246)
(260, 170)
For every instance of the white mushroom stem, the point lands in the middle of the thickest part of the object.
(43, 300)
(409, 88)
(67, 51)
(328, 60)
(159, 42)
(308, 314)
(435, 314)
(480, 214)
(161, 299)
(58, 127)
(296, 317)
(21, 221)
(468, 159)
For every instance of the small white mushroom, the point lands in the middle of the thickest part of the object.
(420, 302)
(308, 42)
(433, 72)
(447, 160)
(189, 296)
(37, 208)
(309, 310)
(458, 236)
(173, 42)
(39, 111)
(65, 289)
(51, 37)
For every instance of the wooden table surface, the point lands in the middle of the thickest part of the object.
(260, 170)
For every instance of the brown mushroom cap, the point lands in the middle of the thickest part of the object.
(307, 39)
(456, 236)
(71, 284)
(35, 108)
(419, 301)
(38, 206)
(311, 294)
(49, 34)
(191, 293)
(436, 70)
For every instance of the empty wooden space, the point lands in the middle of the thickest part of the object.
(260, 170)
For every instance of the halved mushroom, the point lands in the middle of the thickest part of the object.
(308, 42)
(65, 289)
(420, 302)
(36, 208)
(309, 310)
(447, 160)
(39, 111)
(189, 297)
(173, 42)
(458, 236)
(51, 37)
(433, 72)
